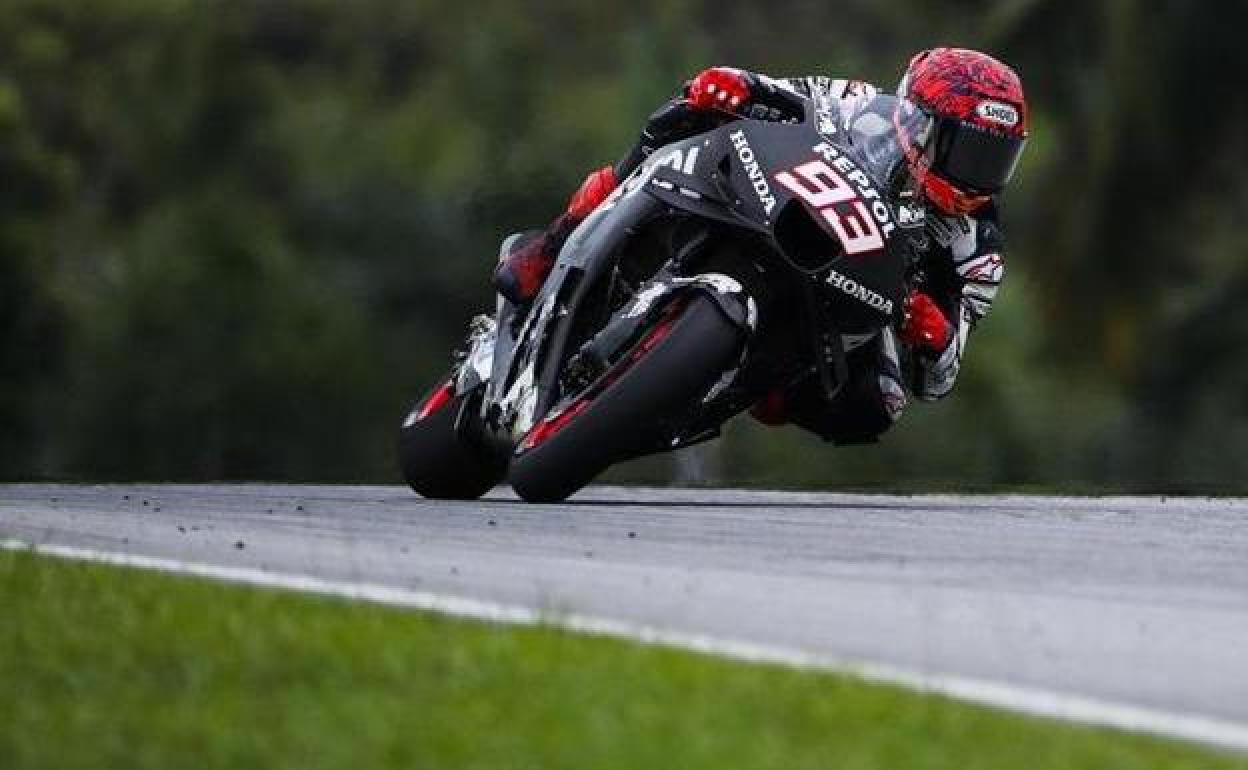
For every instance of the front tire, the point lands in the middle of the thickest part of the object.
(437, 461)
(696, 348)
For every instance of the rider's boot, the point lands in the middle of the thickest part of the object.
(520, 274)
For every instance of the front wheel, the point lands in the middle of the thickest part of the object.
(440, 462)
(673, 365)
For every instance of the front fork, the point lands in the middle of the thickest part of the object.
(628, 326)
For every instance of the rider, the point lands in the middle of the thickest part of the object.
(957, 162)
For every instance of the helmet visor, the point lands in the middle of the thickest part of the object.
(974, 158)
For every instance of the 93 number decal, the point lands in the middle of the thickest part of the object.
(822, 187)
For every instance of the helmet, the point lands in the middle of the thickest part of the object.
(964, 126)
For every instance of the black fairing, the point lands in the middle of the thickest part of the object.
(732, 190)
(730, 179)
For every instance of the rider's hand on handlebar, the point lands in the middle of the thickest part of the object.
(719, 88)
(924, 326)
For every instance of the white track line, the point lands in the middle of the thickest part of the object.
(1028, 700)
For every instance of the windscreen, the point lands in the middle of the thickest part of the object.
(873, 133)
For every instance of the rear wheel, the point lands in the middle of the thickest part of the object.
(674, 364)
(439, 462)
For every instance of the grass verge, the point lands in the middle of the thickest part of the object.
(103, 667)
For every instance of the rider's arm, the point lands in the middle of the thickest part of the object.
(979, 265)
(672, 122)
(717, 93)
(755, 95)
(825, 92)
(711, 97)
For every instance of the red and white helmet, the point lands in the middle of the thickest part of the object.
(966, 127)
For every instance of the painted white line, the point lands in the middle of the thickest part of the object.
(1023, 699)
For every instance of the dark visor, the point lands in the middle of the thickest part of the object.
(975, 158)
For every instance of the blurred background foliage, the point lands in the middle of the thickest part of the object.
(238, 238)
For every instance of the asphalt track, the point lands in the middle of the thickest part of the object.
(1134, 601)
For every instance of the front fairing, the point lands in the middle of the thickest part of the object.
(749, 175)
(814, 172)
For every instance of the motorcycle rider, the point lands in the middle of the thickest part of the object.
(956, 164)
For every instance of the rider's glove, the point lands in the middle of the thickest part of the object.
(924, 326)
(719, 88)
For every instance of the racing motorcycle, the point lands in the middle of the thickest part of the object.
(742, 259)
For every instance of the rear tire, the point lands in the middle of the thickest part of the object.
(701, 345)
(439, 463)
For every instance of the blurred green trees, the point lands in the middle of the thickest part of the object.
(236, 237)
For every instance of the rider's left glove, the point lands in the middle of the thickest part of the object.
(924, 325)
(719, 88)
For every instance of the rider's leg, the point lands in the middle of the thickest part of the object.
(869, 404)
(521, 274)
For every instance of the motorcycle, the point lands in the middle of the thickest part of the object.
(742, 259)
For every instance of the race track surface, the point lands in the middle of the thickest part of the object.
(1137, 601)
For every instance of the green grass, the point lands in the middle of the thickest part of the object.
(103, 667)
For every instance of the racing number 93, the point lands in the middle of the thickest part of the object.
(824, 189)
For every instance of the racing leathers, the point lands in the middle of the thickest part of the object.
(960, 258)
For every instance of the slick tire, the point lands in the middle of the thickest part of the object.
(619, 422)
(439, 463)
